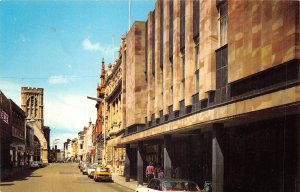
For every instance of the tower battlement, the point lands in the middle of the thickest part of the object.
(32, 89)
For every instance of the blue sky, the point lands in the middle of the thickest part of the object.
(58, 45)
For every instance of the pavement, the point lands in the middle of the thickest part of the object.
(132, 184)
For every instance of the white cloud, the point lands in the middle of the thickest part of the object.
(70, 112)
(105, 50)
(89, 46)
(58, 79)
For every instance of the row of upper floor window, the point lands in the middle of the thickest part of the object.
(222, 28)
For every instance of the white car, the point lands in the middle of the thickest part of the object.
(34, 164)
(91, 170)
(169, 184)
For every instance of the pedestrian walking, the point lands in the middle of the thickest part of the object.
(149, 171)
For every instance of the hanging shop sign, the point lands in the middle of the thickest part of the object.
(92, 151)
(17, 133)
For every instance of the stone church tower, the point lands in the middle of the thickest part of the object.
(32, 104)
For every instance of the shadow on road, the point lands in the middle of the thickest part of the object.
(20, 176)
(35, 176)
(6, 184)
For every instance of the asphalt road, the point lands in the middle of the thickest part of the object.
(64, 177)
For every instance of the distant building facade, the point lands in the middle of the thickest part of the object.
(74, 146)
(80, 139)
(67, 150)
(88, 151)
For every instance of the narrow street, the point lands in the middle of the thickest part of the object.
(64, 177)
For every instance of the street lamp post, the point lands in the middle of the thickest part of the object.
(104, 132)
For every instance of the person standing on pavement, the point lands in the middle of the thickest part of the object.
(149, 171)
(160, 173)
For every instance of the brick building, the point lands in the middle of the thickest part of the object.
(97, 136)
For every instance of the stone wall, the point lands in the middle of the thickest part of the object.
(135, 77)
(261, 35)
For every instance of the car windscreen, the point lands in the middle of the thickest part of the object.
(101, 169)
(180, 186)
(104, 169)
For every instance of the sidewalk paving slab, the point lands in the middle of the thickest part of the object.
(132, 184)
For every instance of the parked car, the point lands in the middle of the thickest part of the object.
(102, 173)
(169, 184)
(82, 166)
(34, 164)
(91, 170)
(85, 168)
(41, 164)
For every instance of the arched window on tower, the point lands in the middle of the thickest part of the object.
(35, 107)
(32, 109)
(28, 107)
(32, 106)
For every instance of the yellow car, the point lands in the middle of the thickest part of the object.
(102, 173)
